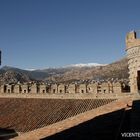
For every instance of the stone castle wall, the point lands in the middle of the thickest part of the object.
(105, 87)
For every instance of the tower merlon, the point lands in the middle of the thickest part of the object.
(132, 39)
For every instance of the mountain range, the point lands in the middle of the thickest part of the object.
(118, 69)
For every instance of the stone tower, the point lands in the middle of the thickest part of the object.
(133, 55)
(0, 57)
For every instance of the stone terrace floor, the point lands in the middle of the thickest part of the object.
(24, 115)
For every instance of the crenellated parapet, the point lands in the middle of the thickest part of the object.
(83, 88)
(132, 40)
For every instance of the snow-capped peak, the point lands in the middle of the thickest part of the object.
(72, 65)
(30, 69)
(86, 65)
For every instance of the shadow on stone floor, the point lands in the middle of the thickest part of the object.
(6, 134)
(104, 127)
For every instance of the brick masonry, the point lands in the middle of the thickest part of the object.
(73, 121)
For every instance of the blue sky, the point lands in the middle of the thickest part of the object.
(52, 33)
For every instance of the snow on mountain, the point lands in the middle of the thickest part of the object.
(72, 65)
(30, 69)
(86, 65)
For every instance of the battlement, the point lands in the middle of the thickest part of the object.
(132, 39)
(27, 88)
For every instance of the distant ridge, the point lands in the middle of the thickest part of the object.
(118, 69)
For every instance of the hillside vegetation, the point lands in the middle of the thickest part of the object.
(118, 69)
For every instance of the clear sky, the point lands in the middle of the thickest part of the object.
(51, 33)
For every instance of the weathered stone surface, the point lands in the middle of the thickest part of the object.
(133, 55)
